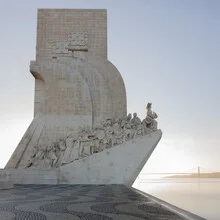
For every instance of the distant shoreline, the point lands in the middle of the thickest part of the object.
(201, 175)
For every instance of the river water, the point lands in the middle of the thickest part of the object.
(200, 196)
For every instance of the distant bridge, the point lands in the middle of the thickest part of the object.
(196, 170)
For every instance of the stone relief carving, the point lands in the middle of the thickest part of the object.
(87, 141)
(60, 48)
(76, 41)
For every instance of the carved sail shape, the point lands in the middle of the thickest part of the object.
(73, 93)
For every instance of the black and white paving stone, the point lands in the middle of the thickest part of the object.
(75, 202)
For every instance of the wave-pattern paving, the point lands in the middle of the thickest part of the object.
(86, 202)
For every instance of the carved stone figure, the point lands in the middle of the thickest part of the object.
(51, 155)
(97, 147)
(99, 133)
(109, 135)
(135, 121)
(127, 119)
(85, 143)
(127, 128)
(61, 147)
(118, 134)
(136, 125)
(70, 154)
(33, 156)
(145, 129)
(40, 155)
(150, 118)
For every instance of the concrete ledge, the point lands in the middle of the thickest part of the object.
(6, 185)
(181, 212)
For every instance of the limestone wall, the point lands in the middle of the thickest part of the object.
(56, 24)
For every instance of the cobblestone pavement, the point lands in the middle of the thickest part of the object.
(74, 202)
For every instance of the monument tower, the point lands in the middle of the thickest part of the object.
(75, 84)
(81, 133)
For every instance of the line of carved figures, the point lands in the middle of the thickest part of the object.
(87, 142)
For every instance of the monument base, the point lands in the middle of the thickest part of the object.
(117, 165)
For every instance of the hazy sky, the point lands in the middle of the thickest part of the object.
(167, 52)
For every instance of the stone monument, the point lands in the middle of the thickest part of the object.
(81, 132)
(75, 84)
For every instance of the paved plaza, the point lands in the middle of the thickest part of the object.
(74, 202)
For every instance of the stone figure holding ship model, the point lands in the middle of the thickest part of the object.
(150, 118)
